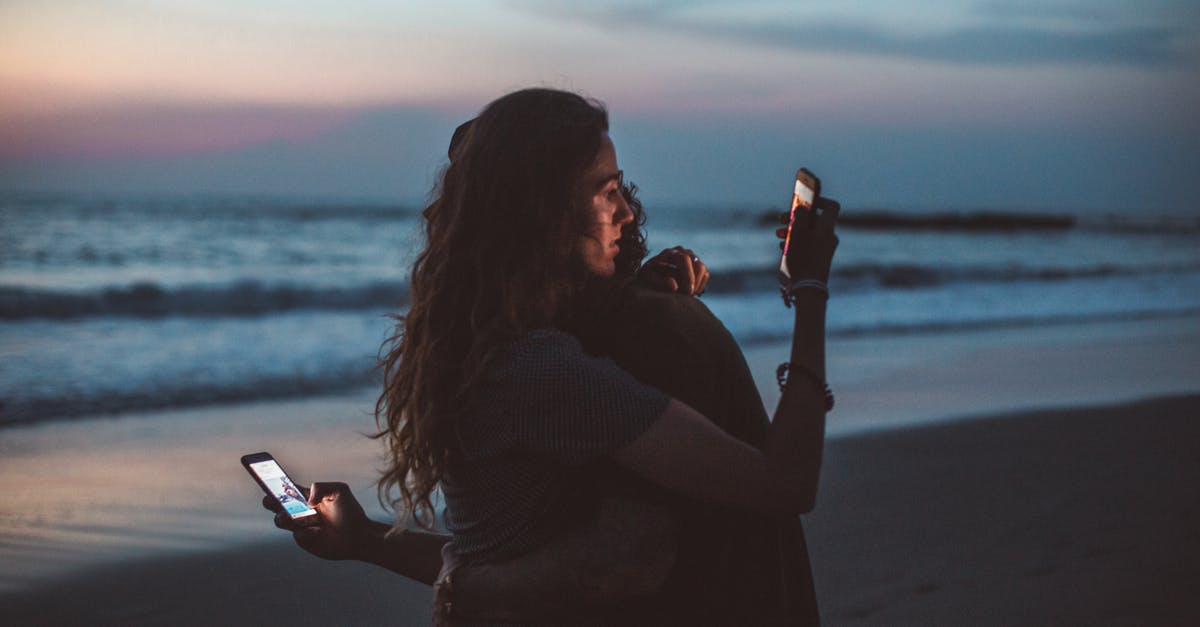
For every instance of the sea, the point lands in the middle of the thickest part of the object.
(113, 305)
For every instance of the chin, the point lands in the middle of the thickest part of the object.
(605, 270)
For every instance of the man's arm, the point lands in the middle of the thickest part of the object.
(686, 454)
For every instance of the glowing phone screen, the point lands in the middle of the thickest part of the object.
(282, 487)
(803, 197)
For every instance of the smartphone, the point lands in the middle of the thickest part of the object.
(275, 482)
(804, 195)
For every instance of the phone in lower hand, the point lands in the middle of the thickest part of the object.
(804, 196)
(275, 482)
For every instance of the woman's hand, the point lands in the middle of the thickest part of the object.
(675, 269)
(344, 529)
(813, 241)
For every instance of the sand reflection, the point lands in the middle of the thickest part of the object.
(105, 489)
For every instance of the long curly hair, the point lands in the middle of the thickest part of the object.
(633, 238)
(500, 260)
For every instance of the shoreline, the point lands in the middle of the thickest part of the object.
(880, 353)
(104, 489)
(1076, 516)
(869, 359)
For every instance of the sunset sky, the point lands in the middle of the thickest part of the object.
(1070, 105)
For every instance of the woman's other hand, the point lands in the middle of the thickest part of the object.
(813, 241)
(675, 269)
(344, 528)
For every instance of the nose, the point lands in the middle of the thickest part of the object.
(623, 215)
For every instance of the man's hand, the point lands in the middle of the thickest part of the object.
(675, 269)
(344, 529)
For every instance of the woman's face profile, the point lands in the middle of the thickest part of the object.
(605, 209)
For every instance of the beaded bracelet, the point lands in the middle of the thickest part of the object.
(787, 368)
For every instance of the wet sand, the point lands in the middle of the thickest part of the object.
(1081, 516)
(1074, 517)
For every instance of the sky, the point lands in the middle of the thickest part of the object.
(1042, 105)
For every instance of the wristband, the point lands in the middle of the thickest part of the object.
(809, 284)
(789, 292)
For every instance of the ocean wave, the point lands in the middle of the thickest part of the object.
(142, 390)
(150, 300)
(255, 298)
(14, 411)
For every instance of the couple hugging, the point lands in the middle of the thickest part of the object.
(603, 454)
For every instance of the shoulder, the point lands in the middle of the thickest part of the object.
(539, 351)
(657, 308)
(545, 396)
(676, 320)
(675, 343)
(544, 339)
(552, 359)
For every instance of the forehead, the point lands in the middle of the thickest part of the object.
(604, 166)
(608, 151)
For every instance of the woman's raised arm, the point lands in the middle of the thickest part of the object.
(686, 453)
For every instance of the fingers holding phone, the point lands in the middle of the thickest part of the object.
(811, 254)
(809, 239)
(325, 520)
(344, 524)
(827, 209)
(337, 505)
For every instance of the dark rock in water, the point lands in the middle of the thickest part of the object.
(144, 299)
(949, 221)
(983, 221)
(771, 216)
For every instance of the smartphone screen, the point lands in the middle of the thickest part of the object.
(275, 482)
(804, 194)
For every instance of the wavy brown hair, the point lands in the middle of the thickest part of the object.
(633, 239)
(499, 261)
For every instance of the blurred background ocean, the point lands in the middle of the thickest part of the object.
(111, 304)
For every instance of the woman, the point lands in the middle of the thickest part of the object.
(487, 396)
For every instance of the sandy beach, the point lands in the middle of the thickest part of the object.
(1075, 517)
(1071, 517)
(1083, 512)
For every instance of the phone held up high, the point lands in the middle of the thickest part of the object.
(804, 196)
(275, 482)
